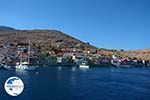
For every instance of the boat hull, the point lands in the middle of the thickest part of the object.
(25, 67)
(83, 66)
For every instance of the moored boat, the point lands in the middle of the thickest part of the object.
(115, 63)
(83, 64)
(6, 67)
(24, 66)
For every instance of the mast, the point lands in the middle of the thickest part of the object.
(21, 58)
(29, 52)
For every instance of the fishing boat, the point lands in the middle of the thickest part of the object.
(115, 63)
(83, 64)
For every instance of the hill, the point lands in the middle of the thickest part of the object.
(46, 39)
(5, 28)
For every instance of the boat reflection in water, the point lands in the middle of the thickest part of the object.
(59, 68)
(73, 69)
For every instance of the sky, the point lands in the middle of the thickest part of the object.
(111, 24)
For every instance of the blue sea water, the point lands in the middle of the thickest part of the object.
(64, 83)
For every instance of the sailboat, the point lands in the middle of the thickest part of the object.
(25, 65)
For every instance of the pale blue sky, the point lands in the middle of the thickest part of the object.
(113, 24)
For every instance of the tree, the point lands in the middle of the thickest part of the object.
(121, 50)
(134, 58)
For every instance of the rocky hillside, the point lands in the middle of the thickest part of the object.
(5, 28)
(46, 39)
(131, 54)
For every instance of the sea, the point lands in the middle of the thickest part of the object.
(72, 83)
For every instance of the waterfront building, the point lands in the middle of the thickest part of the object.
(51, 60)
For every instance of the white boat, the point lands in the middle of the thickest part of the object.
(25, 65)
(21, 66)
(84, 64)
(6, 67)
(115, 63)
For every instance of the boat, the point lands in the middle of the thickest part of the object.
(6, 67)
(83, 64)
(25, 65)
(115, 63)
